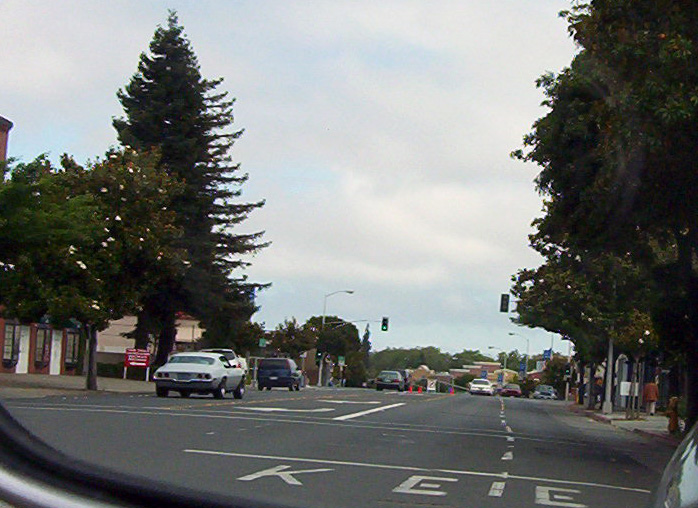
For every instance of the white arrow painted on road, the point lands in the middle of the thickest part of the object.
(508, 456)
(284, 410)
(281, 472)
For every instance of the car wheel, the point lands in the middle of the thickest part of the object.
(290, 388)
(380, 389)
(269, 388)
(219, 392)
(184, 393)
(298, 387)
(240, 390)
(260, 387)
(161, 392)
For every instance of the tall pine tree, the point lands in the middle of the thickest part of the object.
(169, 107)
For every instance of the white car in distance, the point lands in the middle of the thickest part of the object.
(481, 387)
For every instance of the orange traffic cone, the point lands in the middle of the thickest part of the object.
(410, 389)
(419, 389)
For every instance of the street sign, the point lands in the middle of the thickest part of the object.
(500, 377)
(483, 374)
(547, 354)
(262, 342)
(340, 360)
(137, 358)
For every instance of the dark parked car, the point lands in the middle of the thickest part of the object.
(391, 380)
(278, 372)
(510, 390)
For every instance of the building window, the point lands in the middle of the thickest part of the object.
(43, 347)
(72, 348)
(10, 350)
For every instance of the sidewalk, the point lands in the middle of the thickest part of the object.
(40, 385)
(654, 427)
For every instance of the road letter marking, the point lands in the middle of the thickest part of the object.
(508, 456)
(497, 489)
(406, 487)
(550, 496)
(281, 472)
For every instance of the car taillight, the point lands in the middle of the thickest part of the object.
(396, 380)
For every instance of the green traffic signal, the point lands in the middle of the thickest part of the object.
(384, 324)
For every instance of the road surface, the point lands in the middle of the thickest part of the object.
(352, 447)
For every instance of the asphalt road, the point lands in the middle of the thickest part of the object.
(350, 447)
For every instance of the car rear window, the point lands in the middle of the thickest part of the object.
(199, 360)
(273, 363)
(480, 382)
(388, 375)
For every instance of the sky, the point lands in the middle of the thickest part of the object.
(378, 133)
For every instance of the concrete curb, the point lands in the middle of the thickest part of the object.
(667, 438)
(593, 415)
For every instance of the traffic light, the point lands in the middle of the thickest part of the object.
(318, 357)
(384, 324)
(568, 370)
(504, 303)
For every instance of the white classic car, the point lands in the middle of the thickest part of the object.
(200, 372)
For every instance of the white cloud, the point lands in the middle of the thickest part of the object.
(378, 133)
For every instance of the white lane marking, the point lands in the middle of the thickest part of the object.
(508, 456)
(511, 439)
(509, 429)
(281, 472)
(549, 496)
(427, 489)
(331, 462)
(332, 401)
(504, 475)
(497, 489)
(284, 410)
(303, 420)
(367, 412)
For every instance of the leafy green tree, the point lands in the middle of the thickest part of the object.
(170, 107)
(102, 235)
(337, 337)
(292, 338)
(617, 150)
(468, 357)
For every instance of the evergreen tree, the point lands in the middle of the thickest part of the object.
(170, 107)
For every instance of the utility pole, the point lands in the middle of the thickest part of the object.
(322, 327)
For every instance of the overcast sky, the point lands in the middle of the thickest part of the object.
(379, 134)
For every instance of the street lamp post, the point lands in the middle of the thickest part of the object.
(527, 348)
(322, 327)
(506, 356)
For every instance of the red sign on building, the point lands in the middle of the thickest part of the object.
(137, 358)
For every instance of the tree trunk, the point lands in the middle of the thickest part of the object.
(91, 378)
(166, 342)
(591, 392)
(141, 332)
(686, 249)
